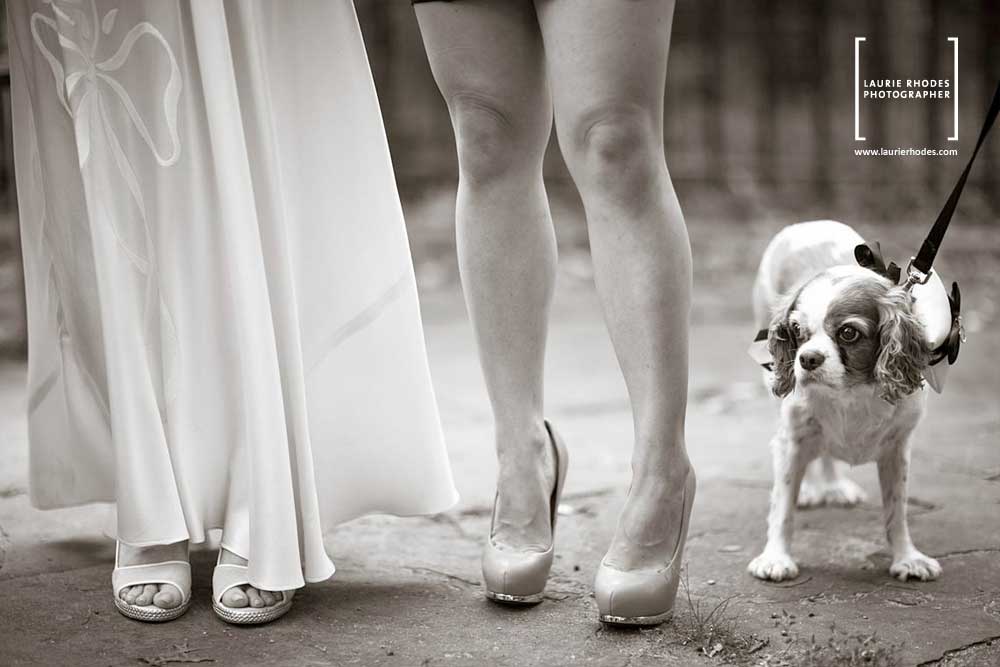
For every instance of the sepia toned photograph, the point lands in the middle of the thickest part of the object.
(500, 332)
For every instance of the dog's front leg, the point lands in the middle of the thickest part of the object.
(790, 460)
(907, 561)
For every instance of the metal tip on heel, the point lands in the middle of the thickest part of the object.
(523, 600)
(636, 620)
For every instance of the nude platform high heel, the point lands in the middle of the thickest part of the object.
(644, 597)
(518, 577)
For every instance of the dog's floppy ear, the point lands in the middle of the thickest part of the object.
(782, 345)
(903, 348)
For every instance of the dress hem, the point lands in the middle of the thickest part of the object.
(453, 500)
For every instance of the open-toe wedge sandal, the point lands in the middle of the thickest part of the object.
(228, 576)
(174, 572)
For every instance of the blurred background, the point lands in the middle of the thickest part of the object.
(759, 117)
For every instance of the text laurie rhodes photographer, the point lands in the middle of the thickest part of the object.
(922, 89)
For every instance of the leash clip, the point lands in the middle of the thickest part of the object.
(915, 276)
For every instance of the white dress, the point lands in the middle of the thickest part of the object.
(222, 315)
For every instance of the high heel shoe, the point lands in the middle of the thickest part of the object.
(518, 577)
(644, 597)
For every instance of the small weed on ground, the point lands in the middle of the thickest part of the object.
(714, 630)
(839, 649)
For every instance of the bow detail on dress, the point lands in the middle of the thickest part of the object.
(79, 36)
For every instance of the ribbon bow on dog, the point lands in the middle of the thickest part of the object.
(869, 255)
(956, 336)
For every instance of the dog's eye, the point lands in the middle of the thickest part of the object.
(796, 331)
(848, 334)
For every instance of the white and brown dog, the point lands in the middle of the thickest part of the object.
(849, 353)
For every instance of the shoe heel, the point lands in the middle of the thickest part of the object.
(519, 577)
(644, 597)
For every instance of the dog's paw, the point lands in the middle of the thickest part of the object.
(773, 567)
(841, 492)
(810, 495)
(915, 565)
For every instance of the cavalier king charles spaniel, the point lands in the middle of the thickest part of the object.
(848, 354)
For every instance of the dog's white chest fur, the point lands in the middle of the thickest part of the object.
(853, 425)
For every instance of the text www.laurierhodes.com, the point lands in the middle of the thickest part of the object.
(906, 152)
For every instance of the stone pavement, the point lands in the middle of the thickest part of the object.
(407, 590)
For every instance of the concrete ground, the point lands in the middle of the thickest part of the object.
(407, 591)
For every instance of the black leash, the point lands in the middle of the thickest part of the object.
(918, 271)
(919, 268)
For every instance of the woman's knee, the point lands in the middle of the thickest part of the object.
(491, 141)
(616, 150)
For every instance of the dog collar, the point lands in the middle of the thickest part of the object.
(939, 311)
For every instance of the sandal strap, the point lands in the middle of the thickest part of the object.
(174, 572)
(227, 576)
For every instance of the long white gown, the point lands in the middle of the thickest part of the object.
(222, 314)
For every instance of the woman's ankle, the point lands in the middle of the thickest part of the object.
(520, 439)
(663, 471)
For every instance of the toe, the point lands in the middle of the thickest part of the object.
(929, 570)
(269, 598)
(919, 567)
(169, 597)
(846, 497)
(255, 599)
(809, 496)
(235, 598)
(773, 568)
(133, 594)
(146, 597)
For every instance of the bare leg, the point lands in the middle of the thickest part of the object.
(607, 63)
(907, 561)
(487, 59)
(790, 460)
(824, 484)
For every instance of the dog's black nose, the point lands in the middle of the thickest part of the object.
(812, 359)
